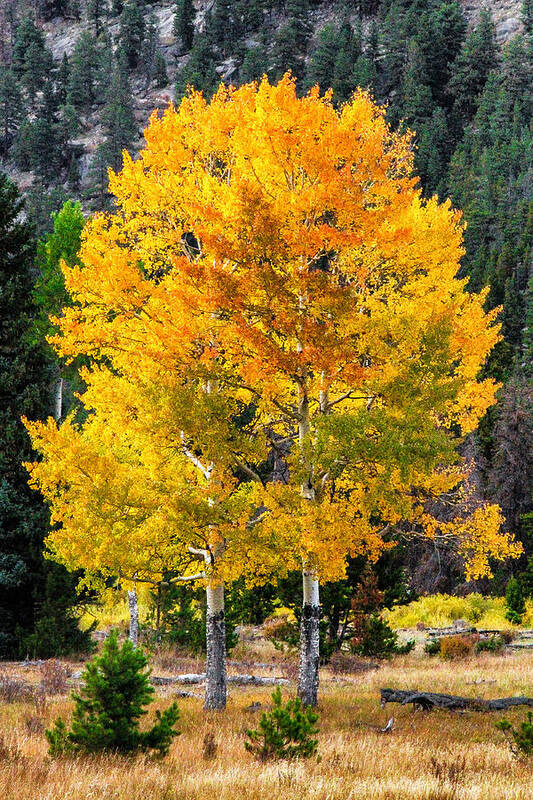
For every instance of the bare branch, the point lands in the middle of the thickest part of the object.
(248, 470)
(198, 576)
(196, 551)
(206, 471)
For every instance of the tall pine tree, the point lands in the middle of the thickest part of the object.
(34, 594)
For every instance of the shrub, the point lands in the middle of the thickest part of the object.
(13, 690)
(54, 676)
(454, 647)
(284, 732)
(432, 647)
(346, 664)
(514, 599)
(110, 705)
(441, 610)
(507, 636)
(521, 740)
(492, 644)
(374, 637)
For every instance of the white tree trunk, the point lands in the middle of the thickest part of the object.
(309, 625)
(309, 640)
(134, 617)
(215, 686)
(58, 398)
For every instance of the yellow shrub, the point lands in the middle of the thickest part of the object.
(440, 611)
(453, 647)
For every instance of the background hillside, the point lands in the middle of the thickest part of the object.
(79, 79)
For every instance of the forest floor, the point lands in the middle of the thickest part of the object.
(428, 756)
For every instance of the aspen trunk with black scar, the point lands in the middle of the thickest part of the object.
(215, 687)
(58, 396)
(134, 616)
(309, 626)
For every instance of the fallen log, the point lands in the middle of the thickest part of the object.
(254, 680)
(239, 680)
(430, 700)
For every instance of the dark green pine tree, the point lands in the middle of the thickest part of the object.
(224, 29)
(254, 64)
(514, 600)
(199, 71)
(433, 153)
(62, 79)
(11, 109)
(527, 347)
(118, 118)
(84, 73)
(27, 601)
(116, 7)
(89, 71)
(527, 15)
(131, 33)
(96, 10)
(38, 64)
(526, 579)
(439, 34)
(392, 39)
(286, 54)
(40, 144)
(253, 14)
(32, 60)
(183, 27)
(150, 49)
(472, 67)
(160, 71)
(298, 16)
(120, 131)
(350, 50)
(417, 101)
(321, 66)
(108, 709)
(27, 34)
(48, 9)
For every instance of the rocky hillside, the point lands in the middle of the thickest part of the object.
(62, 31)
(506, 14)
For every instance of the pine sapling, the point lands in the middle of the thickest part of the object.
(284, 732)
(110, 705)
(521, 739)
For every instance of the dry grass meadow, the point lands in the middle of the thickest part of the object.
(428, 756)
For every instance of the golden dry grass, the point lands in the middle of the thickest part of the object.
(436, 756)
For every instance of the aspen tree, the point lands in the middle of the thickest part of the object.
(282, 248)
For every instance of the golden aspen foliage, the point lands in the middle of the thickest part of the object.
(280, 249)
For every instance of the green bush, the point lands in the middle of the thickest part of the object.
(493, 644)
(285, 732)
(375, 638)
(109, 706)
(521, 740)
(432, 647)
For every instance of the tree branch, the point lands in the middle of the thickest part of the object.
(248, 470)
